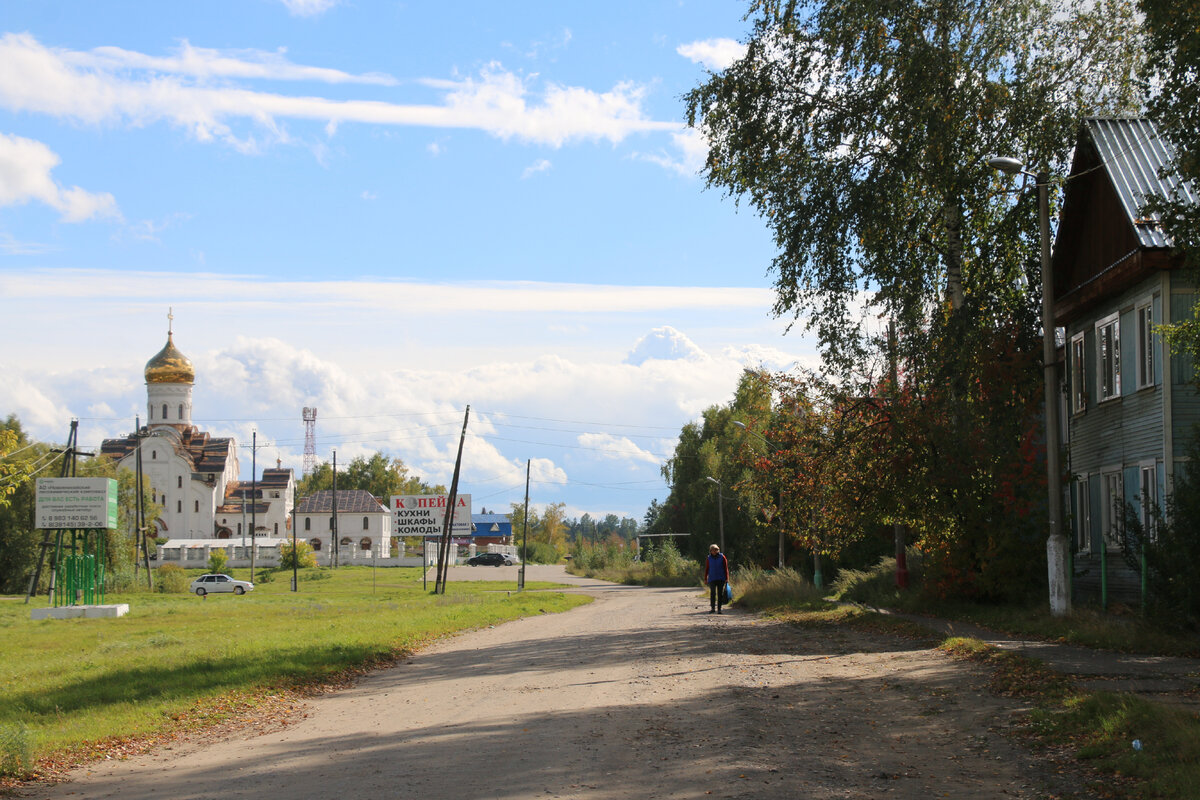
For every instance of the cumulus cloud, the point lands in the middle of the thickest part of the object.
(309, 8)
(713, 54)
(114, 86)
(665, 344)
(619, 448)
(25, 167)
(689, 155)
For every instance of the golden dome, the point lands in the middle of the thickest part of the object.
(170, 366)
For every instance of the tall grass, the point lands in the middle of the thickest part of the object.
(760, 590)
(71, 681)
(16, 749)
(662, 565)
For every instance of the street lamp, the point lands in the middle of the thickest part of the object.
(779, 505)
(1056, 544)
(720, 509)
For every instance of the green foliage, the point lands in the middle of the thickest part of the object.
(377, 474)
(539, 553)
(264, 576)
(302, 557)
(16, 749)
(171, 579)
(217, 560)
(609, 555)
(1173, 551)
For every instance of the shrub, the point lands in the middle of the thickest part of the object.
(16, 749)
(171, 579)
(265, 576)
(217, 559)
(540, 553)
(303, 553)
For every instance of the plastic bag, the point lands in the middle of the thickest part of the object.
(728, 593)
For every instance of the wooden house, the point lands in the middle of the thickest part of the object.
(1130, 405)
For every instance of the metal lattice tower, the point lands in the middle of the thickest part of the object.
(310, 440)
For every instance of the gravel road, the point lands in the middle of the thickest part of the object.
(641, 694)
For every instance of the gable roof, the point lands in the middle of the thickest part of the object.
(1136, 159)
(350, 501)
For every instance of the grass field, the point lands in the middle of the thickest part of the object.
(66, 683)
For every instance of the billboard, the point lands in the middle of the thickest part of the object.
(76, 503)
(424, 514)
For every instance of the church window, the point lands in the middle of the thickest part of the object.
(178, 481)
(178, 506)
(315, 544)
(164, 412)
(308, 523)
(366, 524)
(197, 506)
(365, 543)
(239, 529)
(153, 454)
(181, 410)
(276, 528)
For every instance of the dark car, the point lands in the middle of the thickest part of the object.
(491, 560)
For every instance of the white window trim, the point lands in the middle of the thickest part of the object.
(1113, 320)
(1144, 343)
(1150, 467)
(1110, 507)
(1078, 382)
(1083, 515)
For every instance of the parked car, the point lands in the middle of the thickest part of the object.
(492, 560)
(216, 582)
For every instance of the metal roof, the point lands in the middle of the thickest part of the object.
(1135, 158)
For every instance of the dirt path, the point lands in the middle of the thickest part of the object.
(642, 694)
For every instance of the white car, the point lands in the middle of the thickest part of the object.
(216, 582)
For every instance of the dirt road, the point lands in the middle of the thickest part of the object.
(641, 694)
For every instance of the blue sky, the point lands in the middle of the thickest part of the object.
(388, 211)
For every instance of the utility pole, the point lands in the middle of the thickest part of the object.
(295, 554)
(253, 500)
(525, 534)
(448, 524)
(333, 520)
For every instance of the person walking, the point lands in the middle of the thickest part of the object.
(716, 575)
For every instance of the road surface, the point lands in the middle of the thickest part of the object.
(641, 694)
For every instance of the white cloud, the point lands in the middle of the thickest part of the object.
(119, 87)
(713, 54)
(664, 344)
(25, 167)
(618, 448)
(309, 8)
(541, 165)
(691, 153)
(11, 246)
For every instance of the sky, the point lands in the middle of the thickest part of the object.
(388, 211)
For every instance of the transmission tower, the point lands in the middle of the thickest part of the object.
(310, 440)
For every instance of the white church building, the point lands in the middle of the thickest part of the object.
(194, 476)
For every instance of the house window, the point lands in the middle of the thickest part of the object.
(366, 524)
(1145, 346)
(308, 523)
(1108, 357)
(1149, 499)
(1083, 516)
(1078, 375)
(1112, 507)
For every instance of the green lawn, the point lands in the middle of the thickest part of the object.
(72, 681)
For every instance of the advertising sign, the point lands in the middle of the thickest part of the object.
(424, 514)
(76, 503)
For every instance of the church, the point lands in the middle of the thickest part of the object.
(194, 476)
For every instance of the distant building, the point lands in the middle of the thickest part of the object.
(194, 476)
(364, 525)
(488, 528)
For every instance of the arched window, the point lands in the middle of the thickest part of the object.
(197, 509)
(308, 523)
(153, 454)
(164, 412)
(276, 528)
(364, 543)
(178, 481)
(178, 506)
(345, 541)
(315, 544)
(366, 524)
(181, 410)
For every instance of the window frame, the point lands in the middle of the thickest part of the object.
(1108, 369)
(1083, 515)
(1112, 495)
(1144, 343)
(1078, 376)
(1148, 469)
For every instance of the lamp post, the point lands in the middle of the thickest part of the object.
(720, 509)
(779, 504)
(1056, 543)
